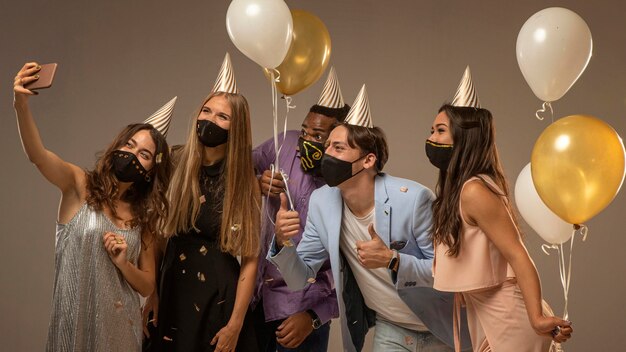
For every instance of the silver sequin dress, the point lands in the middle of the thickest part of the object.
(93, 307)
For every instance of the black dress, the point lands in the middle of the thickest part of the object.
(199, 282)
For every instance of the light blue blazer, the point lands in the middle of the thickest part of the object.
(403, 211)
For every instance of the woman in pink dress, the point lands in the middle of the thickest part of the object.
(479, 252)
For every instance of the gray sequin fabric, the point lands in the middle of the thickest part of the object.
(93, 307)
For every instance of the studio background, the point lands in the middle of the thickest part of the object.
(121, 60)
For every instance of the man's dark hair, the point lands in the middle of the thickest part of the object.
(339, 114)
(369, 140)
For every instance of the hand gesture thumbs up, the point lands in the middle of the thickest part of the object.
(287, 221)
(373, 253)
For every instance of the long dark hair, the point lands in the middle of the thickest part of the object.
(474, 153)
(147, 200)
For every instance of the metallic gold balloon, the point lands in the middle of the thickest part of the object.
(577, 167)
(308, 54)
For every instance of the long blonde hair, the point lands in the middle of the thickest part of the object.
(239, 231)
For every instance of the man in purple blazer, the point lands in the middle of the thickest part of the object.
(296, 320)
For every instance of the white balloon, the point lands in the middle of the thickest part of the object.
(553, 49)
(260, 29)
(534, 211)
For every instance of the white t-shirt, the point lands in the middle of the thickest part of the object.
(378, 290)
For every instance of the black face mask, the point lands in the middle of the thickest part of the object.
(311, 154)
(336, 171)
(439, 154)
(127, 167)
(210, 134)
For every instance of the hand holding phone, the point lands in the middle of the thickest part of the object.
(46, 76)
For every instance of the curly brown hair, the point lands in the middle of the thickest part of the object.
(147, 199)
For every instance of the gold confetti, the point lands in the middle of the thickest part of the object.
(182, 257)
(118, 305)
(203, 250)
(311, 280)
(403, 189)
(201, 276)
(270, 279)
(235, 227)
(288, 243)
(197, 308)
(183, 271)
(202, 199)
(167, 338)
(159, 158)
(222, 301)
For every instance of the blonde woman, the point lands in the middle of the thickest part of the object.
(215, 202)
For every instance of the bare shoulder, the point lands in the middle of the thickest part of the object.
(477, 198)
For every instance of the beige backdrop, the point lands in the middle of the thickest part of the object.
(121, 60)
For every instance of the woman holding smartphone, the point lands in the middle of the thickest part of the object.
(105, 233)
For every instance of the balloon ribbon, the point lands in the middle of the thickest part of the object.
(545, 107)
(565, 275)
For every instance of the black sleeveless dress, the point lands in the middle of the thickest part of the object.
(199, 282)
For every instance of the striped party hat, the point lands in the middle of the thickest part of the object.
(466, 94)
(331, 93)
(359, 114)
(161, 118)
(225, 81)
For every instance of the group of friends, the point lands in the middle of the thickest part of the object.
(233, 254)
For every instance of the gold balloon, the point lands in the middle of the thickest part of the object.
(577, 166)
(308, 54)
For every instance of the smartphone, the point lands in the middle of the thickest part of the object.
(46, 75)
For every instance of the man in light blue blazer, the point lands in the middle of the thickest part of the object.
(374, 228)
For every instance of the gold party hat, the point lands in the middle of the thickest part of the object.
(331, 93)
(161, 118)
(359, 114)
(466, 94)
(225, 81)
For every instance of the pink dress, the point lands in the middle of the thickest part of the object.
(484, 280)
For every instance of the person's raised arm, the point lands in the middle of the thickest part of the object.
(62, 174)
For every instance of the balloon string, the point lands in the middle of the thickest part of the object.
(545, 107)
(565, 275)
(288, 106)
(274, 79)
